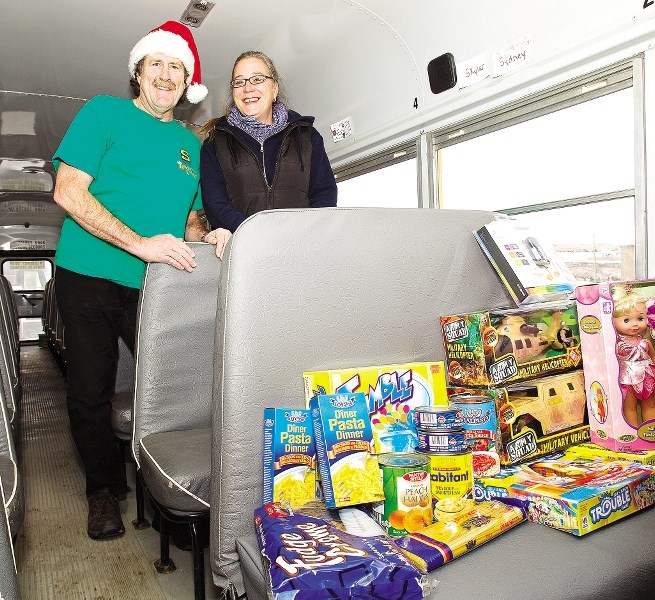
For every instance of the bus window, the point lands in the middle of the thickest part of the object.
(571, 171)
(393, 186)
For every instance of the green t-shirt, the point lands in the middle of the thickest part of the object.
(145, 172)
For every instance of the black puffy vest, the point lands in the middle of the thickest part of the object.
(244, 172)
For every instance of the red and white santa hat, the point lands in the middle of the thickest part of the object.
(173, 39)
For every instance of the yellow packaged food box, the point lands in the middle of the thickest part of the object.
(392, 393)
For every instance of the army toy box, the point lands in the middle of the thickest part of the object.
(616, 327)
(392, 393)
(486, 349)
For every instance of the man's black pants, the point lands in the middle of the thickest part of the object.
(95, 312)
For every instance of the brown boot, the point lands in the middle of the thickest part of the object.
(104, 516)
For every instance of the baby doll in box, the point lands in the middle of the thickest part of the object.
(616, 324)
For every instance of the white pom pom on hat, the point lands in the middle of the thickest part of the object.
(173, 39)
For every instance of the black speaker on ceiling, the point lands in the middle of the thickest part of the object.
(442, 73)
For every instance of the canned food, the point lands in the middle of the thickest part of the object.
(481, 426)
(407, 506)
(444, 441)
(451, 477)
(438, 418)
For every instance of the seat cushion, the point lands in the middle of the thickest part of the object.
(122, 405)
(252, 568)
(175, 466)
(13, 494)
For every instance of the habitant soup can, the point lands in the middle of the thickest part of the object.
(407, 504)
(451, 478)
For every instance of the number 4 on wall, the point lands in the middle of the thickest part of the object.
(648, 3)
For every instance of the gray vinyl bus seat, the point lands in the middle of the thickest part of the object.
(316, 289)
(8, 578)
(11, 307)
(122, 402)
(9, 366)
(12, 489)
(171, 440)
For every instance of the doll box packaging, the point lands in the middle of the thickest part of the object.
(350, 473)
(392, 392)
(619, 371)
(289, 457)
(491, 348)
(574, 494)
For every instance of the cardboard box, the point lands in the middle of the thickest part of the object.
(595, 451)
(539, 417)
(350, 473)
(392, 392)
(575, 495)
(526, 262)
(289, 457)
(491, 348)
(622, 424)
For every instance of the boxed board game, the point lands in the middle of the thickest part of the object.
(392, 392)
(574, 494)
(590, 450)
(507, 346)
(289, 457)
(537, 417)
(616, 326)
(525, 262)
(350, 473)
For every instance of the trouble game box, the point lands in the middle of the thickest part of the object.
(574, 494)
(392, 393)
(507, 346)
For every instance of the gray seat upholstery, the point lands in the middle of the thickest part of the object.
(122, 402)
(12, 489)
(174, 374)
(320, 289)
(8, 579)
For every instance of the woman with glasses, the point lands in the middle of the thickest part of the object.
(261, 155)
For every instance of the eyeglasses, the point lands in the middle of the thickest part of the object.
(254, 80)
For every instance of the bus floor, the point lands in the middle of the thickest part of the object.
(55, 557)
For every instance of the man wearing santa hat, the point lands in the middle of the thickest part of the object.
(128, 179)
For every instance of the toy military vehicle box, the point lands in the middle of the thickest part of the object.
(507, 346)
(582, 495)
(539, 417)
(616, 326)
(392, 393)
(350, 474)
(646, 457)
(289, 457)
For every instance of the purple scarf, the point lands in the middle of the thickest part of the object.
(256, 129)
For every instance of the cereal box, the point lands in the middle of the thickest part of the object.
(578, 495)
(616, 326)
(486, 349)
(344, 441)
(289, 457)
(392, 393)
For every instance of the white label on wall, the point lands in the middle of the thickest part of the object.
(342, 129)
(513, 56)
(473, 70)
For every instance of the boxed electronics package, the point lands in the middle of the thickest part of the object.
(616, 325)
